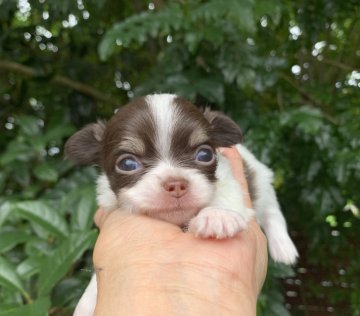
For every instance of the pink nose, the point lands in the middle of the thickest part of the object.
(176, 188)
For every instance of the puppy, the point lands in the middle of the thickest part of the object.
(158, 158)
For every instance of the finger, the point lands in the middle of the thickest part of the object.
(237, 166)
(99, 217)
(236, 162)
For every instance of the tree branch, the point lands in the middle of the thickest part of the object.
(337, 64)
(59, 80)
(308, 97)
(302, 91)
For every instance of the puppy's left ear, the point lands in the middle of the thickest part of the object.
(223, 130)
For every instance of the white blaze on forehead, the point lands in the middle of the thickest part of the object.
(165, 115)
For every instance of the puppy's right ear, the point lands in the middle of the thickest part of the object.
(223, 130)
(84, 147)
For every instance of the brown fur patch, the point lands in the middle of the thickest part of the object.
(223, 130)
(131, 121)
(183, 150)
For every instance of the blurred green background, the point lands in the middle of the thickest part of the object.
(287, 71)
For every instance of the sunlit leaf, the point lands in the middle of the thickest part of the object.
(9, 276)
(43, 215)
(28, 267)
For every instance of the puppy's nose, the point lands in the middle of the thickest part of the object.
(176, 188)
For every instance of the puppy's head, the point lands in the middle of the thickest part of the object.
(157, 154)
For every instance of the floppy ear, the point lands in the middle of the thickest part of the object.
(84, 147)
(223, 130)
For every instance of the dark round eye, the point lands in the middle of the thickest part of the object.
(205, 155)
(127, 164)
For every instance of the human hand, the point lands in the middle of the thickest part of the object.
(148, 267)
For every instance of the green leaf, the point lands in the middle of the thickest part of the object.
(38, 247)
(269, 8)
(276, 309)
(5, 209)
(68, 291)
(58, 132)
(139, 27)
(307, 119)
(9, 239)
(241, 13)
(21, 172)
(85, 206)
(28, 267)
(106, 46)
(212, 88)
(9, 276)
(29, 125)
(55, 267)
(46, 173)
(3, 176)
(280, 270)
(16, 151)
(40, 213)
(37, 308)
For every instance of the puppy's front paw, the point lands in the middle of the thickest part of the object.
(213, 222)
(282, 249)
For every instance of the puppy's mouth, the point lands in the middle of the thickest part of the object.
(177, 212)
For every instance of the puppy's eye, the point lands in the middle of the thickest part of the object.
(127, 164)
(205, 155)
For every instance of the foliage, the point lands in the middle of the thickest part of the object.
(287, 72)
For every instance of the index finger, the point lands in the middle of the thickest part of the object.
(99, 217)
(237, 166)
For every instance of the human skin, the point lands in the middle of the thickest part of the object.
(149, 267)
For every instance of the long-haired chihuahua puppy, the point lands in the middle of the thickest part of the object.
(158, 157)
